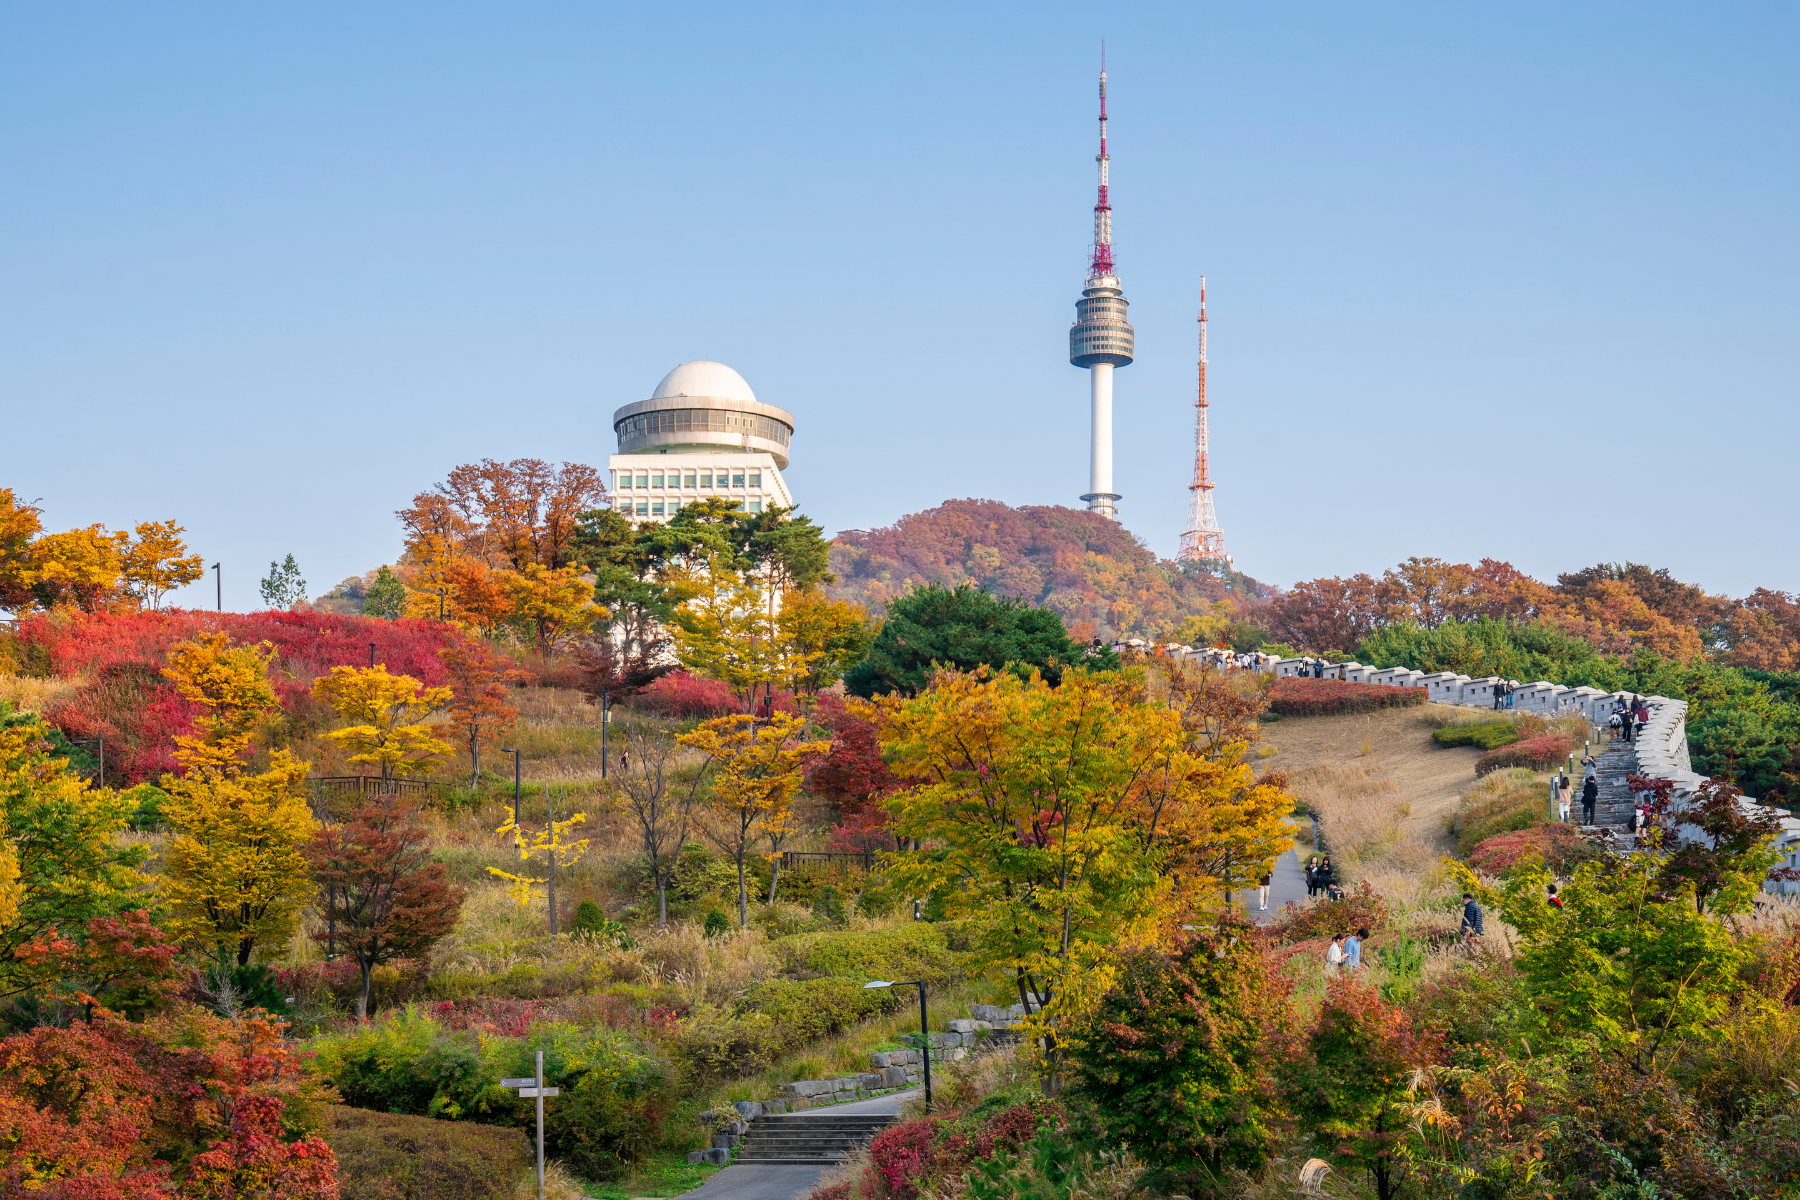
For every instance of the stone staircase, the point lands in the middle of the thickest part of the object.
(1612, 811)
(817, 1139)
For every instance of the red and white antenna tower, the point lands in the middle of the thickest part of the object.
(1202, 541)
(1102, 262)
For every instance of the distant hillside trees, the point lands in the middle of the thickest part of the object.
(1091, 572)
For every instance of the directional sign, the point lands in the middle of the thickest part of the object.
(546, 1093)
(528, 1081)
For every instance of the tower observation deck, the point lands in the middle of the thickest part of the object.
(1101, 338)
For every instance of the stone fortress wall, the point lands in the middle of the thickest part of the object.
(1661, 751)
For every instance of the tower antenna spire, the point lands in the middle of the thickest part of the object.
(1102, 262)
(1202, 540)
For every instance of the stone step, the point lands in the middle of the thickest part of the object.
(801, 1138)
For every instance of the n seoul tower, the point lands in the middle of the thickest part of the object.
(1100, 339)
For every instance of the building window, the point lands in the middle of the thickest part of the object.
(756, 506)
(756, 479)
(643, 508)
(706, 480)
(656, 508)
(737, 481)
(643, 480)
(743, 507)
(624, 478)
(690, 481)
(656, 480)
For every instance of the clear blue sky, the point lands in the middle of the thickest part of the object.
(1518, 281)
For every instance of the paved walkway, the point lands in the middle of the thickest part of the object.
(787, 1181)
(1289, 883)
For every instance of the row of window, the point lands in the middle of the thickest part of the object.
(659, 508)
(703, 420)
(693, 479)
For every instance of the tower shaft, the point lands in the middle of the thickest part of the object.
(1202, 540)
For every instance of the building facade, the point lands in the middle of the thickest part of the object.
(702, 435)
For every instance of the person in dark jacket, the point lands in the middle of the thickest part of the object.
(1590, 795)
(1471, 921)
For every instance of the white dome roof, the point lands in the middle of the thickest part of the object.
(703, 377)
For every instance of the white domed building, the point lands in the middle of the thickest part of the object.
(702, 434)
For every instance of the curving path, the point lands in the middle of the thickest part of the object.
(775, 1181)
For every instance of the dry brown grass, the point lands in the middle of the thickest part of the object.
(28, 693)
(1363, 818)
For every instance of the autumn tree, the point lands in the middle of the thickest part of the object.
(478, 707)
(20, 524)
(62, 864)
(662, 810)
(156, 562)
(80, 567)
(550, 602)
(757, 768)
(724, 628)
(387, 898)
(1062, 819)
(1179, 1057)
(512, 514)
(855, 779)
(1352, 1085)
(234, 873)
(549, 844)
(825, 636)
(386, 718)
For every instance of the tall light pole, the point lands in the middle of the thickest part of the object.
(605, 707)
(219, 587)
(924, 1024)
(515, 754)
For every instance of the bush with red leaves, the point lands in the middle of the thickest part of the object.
(1325, 697)
(1358, 909)
(1538, 753)
(685, 696)
(905, 1155)
(1557, 844)
(126, 701)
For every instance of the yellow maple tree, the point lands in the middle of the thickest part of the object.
(757, 766)
(545, 844)
(77, 566)
(727, 627)
(386, 717)
(234, 874)
(156, 561)
(549, 602)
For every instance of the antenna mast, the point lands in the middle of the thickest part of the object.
(1102, 263)
(1202, 541)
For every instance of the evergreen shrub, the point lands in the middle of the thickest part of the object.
(392, 1156)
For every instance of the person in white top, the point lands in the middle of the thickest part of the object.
(1334, 956)
(1565, 795)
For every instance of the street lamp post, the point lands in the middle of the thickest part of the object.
(924, 1025)
(605, 707)
(515, 754)
(218, 586)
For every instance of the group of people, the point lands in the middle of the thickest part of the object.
(1344, 955)
(1590, 791)
(1322, 878)
(1503, 693)
(1629, 717)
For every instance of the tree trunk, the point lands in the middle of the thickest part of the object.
(553, 879)
(362, 997)
(774, 876)
(474, 755)
(662, 907)
(743, 894)
(331, 923)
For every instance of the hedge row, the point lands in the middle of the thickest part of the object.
(1538, 753)
(1490, 735)
(389, 1156)
(1324, 697)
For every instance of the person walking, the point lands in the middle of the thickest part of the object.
(1327, 880)
(1640, 821)
(1640, 715)
(1312, 876)
(1334, 956)
(1565, 796)
(1353, 950)
(1590, 796)
(1262, 891)
(1590, 767)
(1471, 922)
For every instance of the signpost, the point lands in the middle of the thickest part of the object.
(534, 1089)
